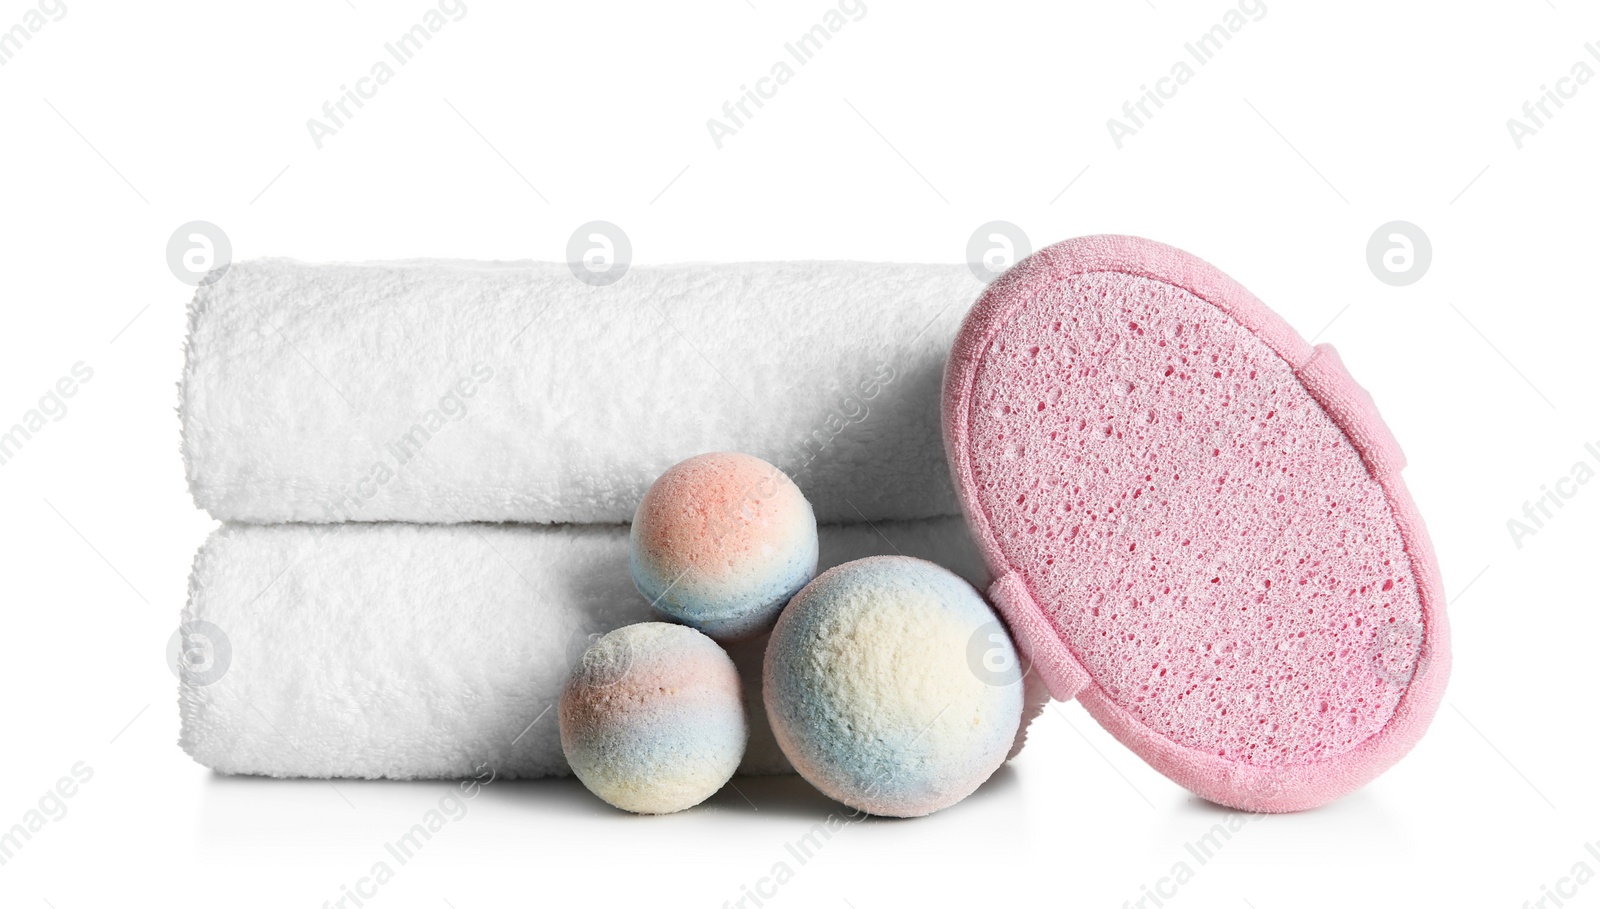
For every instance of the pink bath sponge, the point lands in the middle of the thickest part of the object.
(1197, 523)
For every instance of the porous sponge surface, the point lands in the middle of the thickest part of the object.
(1206, 540)
(871, 689)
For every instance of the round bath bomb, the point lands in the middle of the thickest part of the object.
(652, 719)
(881, 690)
(721, 542)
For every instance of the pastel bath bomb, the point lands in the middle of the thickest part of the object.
(721, 542)
(881, 690)
(652, 719)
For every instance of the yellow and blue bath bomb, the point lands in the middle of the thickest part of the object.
(873, 692)
(721, 542)
(652, 719)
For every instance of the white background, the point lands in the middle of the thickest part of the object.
(913, 125)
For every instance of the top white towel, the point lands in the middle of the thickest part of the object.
(455, 391)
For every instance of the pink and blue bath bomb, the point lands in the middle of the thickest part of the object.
(880, 688)
(652, 719)
(720, 542)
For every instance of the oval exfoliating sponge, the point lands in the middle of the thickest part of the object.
(1196, 523)
(884, 688)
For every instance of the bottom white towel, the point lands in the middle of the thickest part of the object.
(409, 651)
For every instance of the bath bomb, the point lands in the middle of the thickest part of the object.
(892, 687)
(652, 719)
(721, 542)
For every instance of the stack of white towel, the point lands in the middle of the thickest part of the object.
(425, 469)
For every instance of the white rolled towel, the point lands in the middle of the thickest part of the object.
(405, 651)
(454, 391)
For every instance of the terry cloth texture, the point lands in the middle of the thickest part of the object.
(1197, 523)
(447, 392)
(405, 651)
